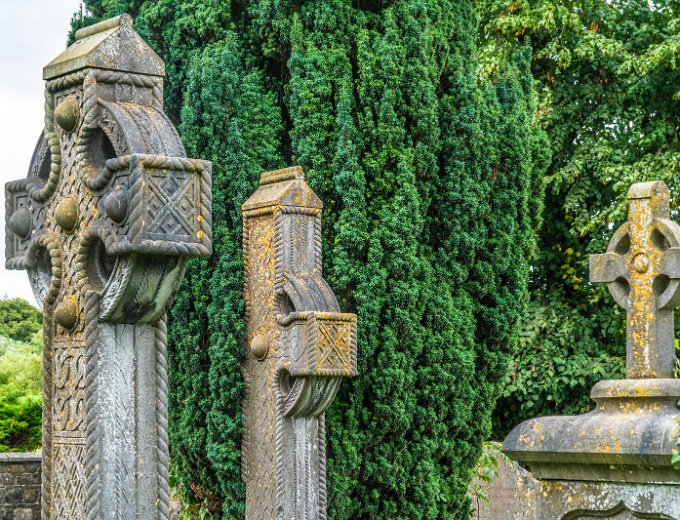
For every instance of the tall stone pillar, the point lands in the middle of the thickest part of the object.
(104, 223)
(299, 348)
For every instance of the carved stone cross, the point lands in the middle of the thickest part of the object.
(621, 452)
(642, 270)
(299, 348)
(104, 223)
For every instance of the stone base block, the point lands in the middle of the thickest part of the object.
(515, 494)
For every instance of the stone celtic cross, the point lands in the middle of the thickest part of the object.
(300, 346)
(104, 224)
(615, 461)
(642, 270)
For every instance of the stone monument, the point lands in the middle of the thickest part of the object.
(615, 462)
(104, 223)
(299, 348)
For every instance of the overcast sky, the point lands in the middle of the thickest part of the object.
(32, 32)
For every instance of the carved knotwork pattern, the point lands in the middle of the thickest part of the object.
(68, 393)
(334, 345)
(69, 389)
(69, 482)
(70, 186)
(171, 200)
(262, 299)
(259, 415)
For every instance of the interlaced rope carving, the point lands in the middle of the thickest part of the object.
(36, 189)
(93, 452)
(162, 416)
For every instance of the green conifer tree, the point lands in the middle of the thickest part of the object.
(431, 185)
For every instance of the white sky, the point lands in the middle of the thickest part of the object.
(32, 32)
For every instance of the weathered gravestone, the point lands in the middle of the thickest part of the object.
(104, 224)
(615, 462)
(300, 347)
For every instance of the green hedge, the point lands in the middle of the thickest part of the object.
(20, 391)
(431, 181)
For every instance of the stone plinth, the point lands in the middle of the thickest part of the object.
(515, 494)
(628, 437)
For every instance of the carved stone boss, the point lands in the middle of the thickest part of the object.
(300, 346)
(104, 223)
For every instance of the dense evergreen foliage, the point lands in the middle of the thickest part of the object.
(20, 376)
(432, 187)
(607, 75)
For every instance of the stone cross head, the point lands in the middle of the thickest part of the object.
(104, 223)
(642, 271)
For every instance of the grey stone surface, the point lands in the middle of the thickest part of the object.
(511, 495)
(516, 494)
(20, 480)
(300, 346)
(615, 462)
(104, 223)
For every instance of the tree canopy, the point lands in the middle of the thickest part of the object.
(20, 376)
(609, 98)
(19, 320)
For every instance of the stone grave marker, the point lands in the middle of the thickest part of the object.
(615, 461)
(299, 348)
(104, 223)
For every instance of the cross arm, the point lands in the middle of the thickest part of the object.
(157, 205)
(23, 225)
(671, 263)
(318, 344)
(606, 267)
(317, 340)
(321, 343)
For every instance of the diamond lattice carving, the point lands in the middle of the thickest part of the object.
(69, 482)
(334, 348)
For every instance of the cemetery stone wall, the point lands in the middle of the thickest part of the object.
(20, 486)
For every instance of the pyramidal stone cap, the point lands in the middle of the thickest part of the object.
(285, 187)
(110, 45)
